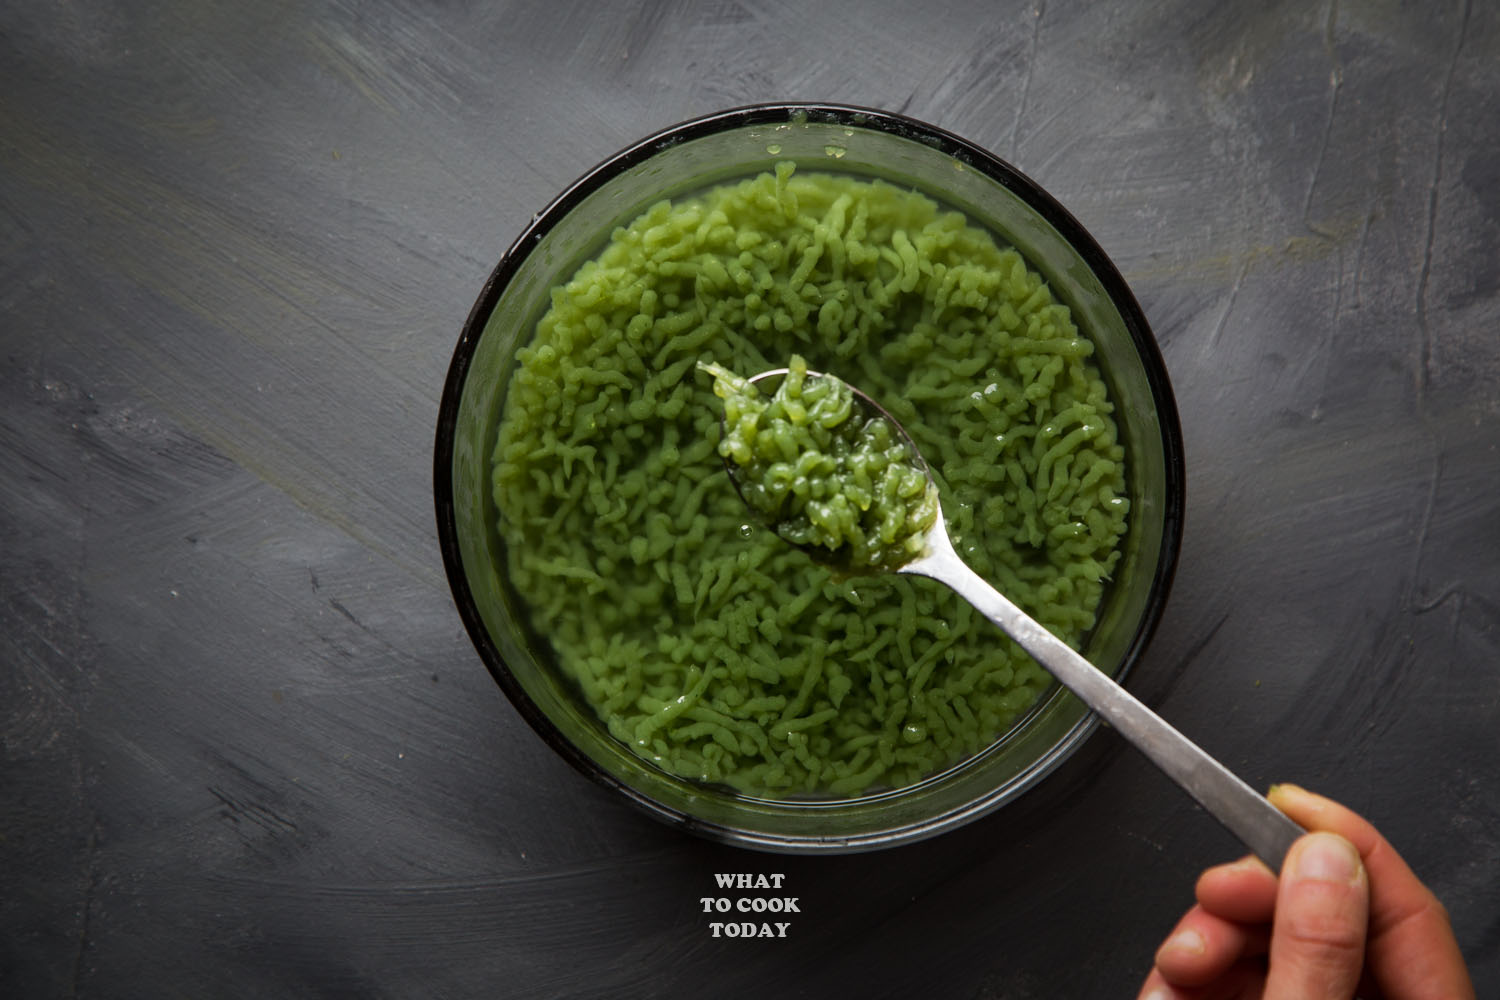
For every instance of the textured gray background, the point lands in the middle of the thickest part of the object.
(245, 746)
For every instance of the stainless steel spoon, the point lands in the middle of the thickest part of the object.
(1247, 814)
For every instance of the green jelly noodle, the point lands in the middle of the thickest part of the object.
(705, 642)
(824, 471)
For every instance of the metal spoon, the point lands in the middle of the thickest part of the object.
(1263, 828)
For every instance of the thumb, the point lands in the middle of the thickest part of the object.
(1322, 916)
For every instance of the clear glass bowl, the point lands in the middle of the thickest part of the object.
(727, 146)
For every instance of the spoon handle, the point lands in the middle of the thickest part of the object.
(1262, 827)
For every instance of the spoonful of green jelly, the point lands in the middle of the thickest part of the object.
(829, 470)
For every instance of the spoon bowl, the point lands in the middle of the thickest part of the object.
(929, 552)
(838, 560)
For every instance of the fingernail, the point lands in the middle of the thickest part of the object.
(1285, 790)
(1282, 789)
(1327, 857)
(1188, 940)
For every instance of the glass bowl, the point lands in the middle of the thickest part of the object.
(726, 146)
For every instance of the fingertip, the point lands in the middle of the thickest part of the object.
(1185, 945)
(1326, 857)
(1294, 800)
(1243, 891)
(1202, 947)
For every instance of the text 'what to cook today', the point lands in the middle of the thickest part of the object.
(749, 913)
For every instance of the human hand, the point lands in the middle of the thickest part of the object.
(1346, 918)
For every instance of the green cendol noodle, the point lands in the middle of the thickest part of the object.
(706, 643)
(825, 470)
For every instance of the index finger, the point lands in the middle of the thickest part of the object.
(1411, 950)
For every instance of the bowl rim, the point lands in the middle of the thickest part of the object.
(849, 116)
